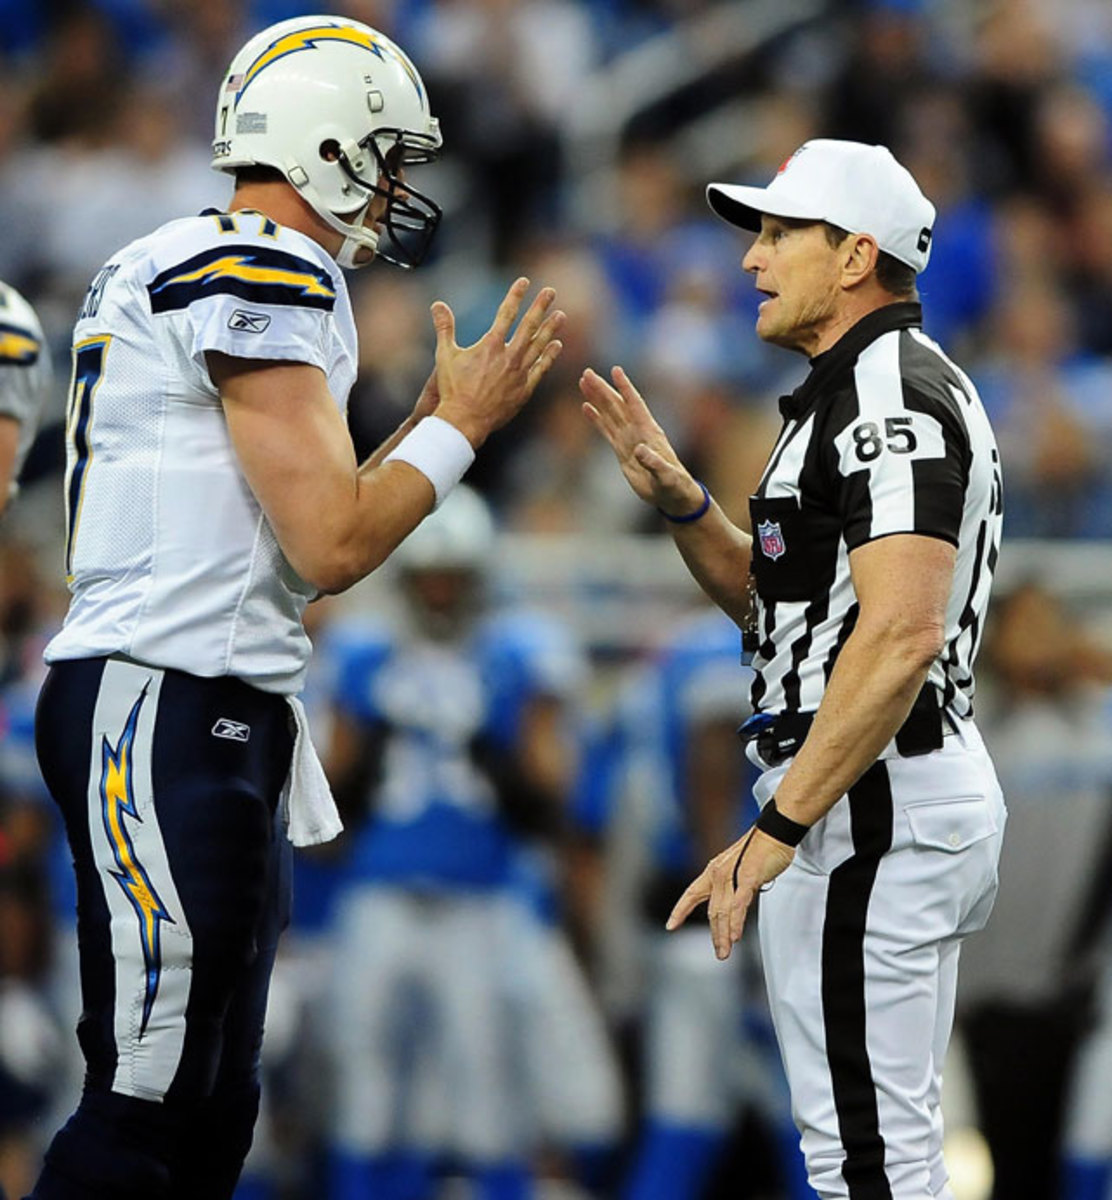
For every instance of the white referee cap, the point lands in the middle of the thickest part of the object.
(859, 188)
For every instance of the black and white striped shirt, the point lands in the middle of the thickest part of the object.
(886, 435)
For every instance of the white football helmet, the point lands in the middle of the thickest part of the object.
(458, 536)
(443, 565)
(339, 109)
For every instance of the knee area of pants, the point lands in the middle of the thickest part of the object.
(223, 1125)
(116, 1143)
(825, 1173)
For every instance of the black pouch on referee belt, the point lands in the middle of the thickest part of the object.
(779, 736)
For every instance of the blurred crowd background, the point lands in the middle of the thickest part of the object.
(472, 999)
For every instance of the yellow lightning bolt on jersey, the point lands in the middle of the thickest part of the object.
(239, 266)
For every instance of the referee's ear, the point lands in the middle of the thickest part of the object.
(859, 254)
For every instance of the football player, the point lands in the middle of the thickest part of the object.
(211, 491)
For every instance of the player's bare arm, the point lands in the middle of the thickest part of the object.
(715, 550)
(902, 585)
(337, 521)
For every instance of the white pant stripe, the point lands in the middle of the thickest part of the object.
(150, 936)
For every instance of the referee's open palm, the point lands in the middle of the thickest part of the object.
(644, 453)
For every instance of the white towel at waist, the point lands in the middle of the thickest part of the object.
(310, 811)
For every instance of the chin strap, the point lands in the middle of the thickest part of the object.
(352, 244)
(356, 236)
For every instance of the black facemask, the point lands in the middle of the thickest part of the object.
(411, 218)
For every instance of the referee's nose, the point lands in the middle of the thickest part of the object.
(753, 259)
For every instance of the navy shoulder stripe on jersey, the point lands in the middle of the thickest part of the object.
(261, 274)
(18, 346)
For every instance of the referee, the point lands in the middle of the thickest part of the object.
(862, 593)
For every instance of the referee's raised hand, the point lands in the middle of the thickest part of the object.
(644, 453)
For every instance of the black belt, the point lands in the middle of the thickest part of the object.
(779, 735)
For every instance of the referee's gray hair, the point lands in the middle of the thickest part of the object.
(894, 276)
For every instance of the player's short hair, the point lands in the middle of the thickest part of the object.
(255, 173)
(894, 276)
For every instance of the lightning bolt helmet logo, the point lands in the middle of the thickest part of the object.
(18, 346)
(308, 39)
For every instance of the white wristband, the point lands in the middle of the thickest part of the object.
(439, 451)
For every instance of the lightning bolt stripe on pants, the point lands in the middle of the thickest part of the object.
(117, 800)
(150, 936)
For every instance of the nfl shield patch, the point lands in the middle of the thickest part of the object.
(772, 540)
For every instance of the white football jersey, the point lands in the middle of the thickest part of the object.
(169, 558)
(25, 371)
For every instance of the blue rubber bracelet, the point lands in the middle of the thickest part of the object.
(701, 511)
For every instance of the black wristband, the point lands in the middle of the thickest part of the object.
(701, 511)
(773, 822)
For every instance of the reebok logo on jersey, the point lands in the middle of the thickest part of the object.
(232, 731)
(248, 322)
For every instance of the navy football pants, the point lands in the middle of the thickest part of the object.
(169, 786)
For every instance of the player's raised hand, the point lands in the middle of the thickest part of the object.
(646, 457)
(728, 885)
(480, 387)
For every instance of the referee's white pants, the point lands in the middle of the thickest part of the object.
(860, 940)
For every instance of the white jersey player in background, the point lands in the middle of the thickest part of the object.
(25, 378)
(211, 491)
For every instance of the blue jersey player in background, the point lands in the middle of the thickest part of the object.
(453, 754)
(675, 781)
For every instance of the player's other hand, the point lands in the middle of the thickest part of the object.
(427, 402)
(729, 883)
(641, 447)
(480, 387)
